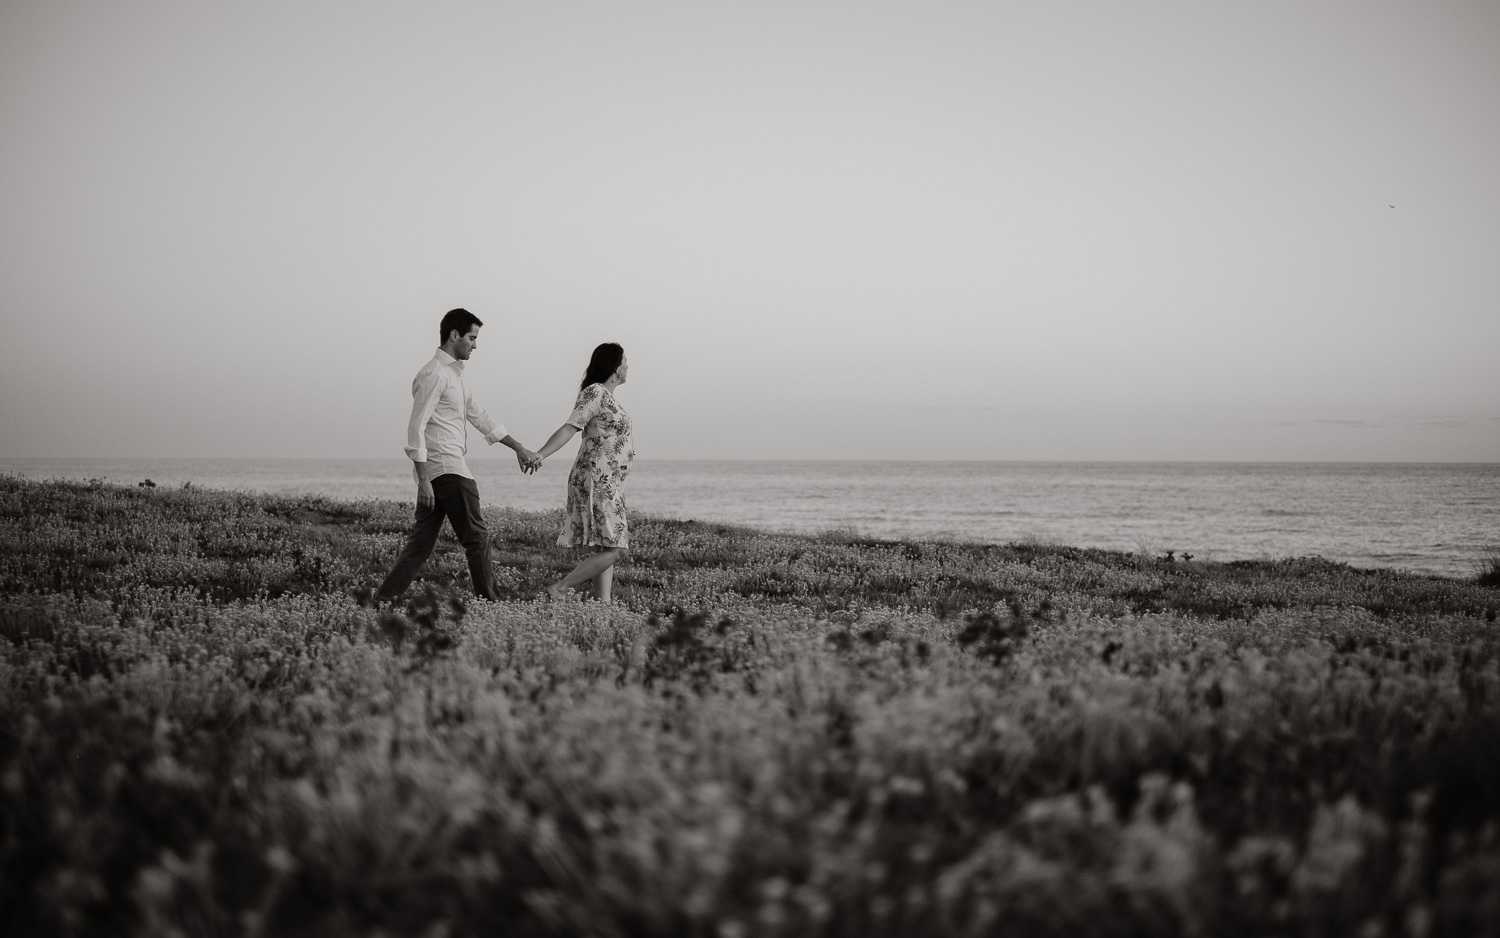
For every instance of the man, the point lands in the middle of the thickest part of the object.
(436, 440)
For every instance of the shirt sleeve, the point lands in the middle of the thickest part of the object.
(590, 399)
(425, 390)
(482, 421)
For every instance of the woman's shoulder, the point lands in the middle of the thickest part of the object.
(591, 391)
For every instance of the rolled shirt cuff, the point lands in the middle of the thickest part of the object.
(417, 455)
(497, 434)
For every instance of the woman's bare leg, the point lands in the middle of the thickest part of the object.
(604, 584)
(588, 570)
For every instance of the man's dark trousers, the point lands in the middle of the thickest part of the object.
(457, 499)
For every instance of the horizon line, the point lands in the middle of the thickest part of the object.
(800, 459)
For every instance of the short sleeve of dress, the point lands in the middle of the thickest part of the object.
(590, 399)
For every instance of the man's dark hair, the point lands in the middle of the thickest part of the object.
(605, 360)
(460, 319)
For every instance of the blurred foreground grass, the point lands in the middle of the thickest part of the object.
(203, 732)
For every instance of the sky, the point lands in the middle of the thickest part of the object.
(935, 230)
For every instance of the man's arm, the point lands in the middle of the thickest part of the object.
(425, 391)
(530, 462)
(425, 498)
(496, 433)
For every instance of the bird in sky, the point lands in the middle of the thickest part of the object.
(1392, 206)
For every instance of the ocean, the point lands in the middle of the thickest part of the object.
(1437, 518)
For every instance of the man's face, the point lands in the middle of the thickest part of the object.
(466, 344)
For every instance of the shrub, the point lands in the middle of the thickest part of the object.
(854, 751)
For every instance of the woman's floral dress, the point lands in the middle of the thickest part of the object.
(596, 502)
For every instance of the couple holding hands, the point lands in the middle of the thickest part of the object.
(437, 441)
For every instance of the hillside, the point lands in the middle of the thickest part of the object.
(205, 729)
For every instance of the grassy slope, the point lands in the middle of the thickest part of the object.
(201, 729)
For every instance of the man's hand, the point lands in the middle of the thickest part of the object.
(530, 462)
(425, 498)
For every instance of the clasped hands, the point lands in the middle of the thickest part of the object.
(530, 462)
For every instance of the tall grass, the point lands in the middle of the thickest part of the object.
(1488, 573)
(203, 731)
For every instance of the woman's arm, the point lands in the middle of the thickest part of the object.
(557, 440)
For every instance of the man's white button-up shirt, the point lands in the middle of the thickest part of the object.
(441, 409)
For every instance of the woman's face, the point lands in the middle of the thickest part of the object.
(620, 371)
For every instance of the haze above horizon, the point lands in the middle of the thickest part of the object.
(1148, 232)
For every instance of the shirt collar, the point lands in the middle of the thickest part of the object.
(450, 361)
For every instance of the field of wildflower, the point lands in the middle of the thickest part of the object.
(207, 729)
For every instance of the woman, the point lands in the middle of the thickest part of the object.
(596, 504)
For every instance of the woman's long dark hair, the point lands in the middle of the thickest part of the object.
(606, 359)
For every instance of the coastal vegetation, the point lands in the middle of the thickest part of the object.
(206, 728)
